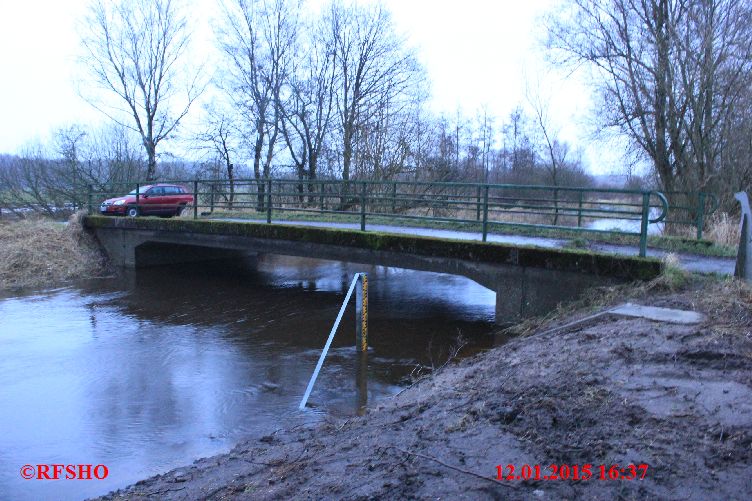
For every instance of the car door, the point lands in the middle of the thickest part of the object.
(152, 200)
(171, 198)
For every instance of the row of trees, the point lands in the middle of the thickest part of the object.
(675, 77)
(457, 148)
(339, 94)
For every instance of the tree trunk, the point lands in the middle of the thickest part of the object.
(151, 166)
(261, 187)
(231, 178)
(661, 153)
(312, 160)
(346, 162)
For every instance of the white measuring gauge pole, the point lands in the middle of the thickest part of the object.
(328, 343)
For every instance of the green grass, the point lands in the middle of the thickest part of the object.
(580, 239)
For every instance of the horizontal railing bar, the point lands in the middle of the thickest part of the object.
(492, 186)
(440, 201)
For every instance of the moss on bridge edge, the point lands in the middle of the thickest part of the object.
(612, 265)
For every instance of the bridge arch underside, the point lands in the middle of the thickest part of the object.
(520, 292)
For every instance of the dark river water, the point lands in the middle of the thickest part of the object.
(151, 370)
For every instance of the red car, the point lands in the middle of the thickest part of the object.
(158, 199)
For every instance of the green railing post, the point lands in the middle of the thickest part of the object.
(89, 199)
(485, 212)
(394, 198)
(195, 199)
(321, 197)
(477, 204)
(700, 214)
(644, 223)
(269, 200)
(579, 212)
(211, 197)
(138, 194)
(363, 206)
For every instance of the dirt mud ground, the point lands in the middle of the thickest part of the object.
(613, 390)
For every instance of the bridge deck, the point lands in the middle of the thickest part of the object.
(528, 280)
(398, 241)
(690, 262)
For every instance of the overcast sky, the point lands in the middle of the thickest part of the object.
(477, 53)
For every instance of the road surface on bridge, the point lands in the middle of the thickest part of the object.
(691, 262)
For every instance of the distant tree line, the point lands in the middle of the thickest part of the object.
(49, 176)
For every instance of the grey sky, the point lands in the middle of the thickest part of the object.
(477, 53)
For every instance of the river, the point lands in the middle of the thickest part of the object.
(150, 370)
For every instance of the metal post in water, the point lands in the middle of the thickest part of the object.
(361, 313)
(320, 363)
(361, 381)
(361, 341)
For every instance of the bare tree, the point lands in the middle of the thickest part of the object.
(674, 75)
(257, 39)
(135, 50)
(518, 147)
(221, 138)
(373, 66)
(308, 110)
(540, 104)
(486, 138)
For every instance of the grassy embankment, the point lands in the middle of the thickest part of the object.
(42, 252)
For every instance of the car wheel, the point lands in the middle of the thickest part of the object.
(179, 210)
(132, 211)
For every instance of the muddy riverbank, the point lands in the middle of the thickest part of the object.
(614, 390)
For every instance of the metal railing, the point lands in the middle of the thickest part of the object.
(476, 206)
(691, 208)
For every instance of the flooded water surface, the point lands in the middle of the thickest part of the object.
(149, 371)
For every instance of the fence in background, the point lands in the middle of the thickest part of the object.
(470, 206)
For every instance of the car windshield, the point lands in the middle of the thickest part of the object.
(141, 190)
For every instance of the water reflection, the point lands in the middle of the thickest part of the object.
(150, 370)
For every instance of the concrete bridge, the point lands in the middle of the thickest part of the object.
(527, 280)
